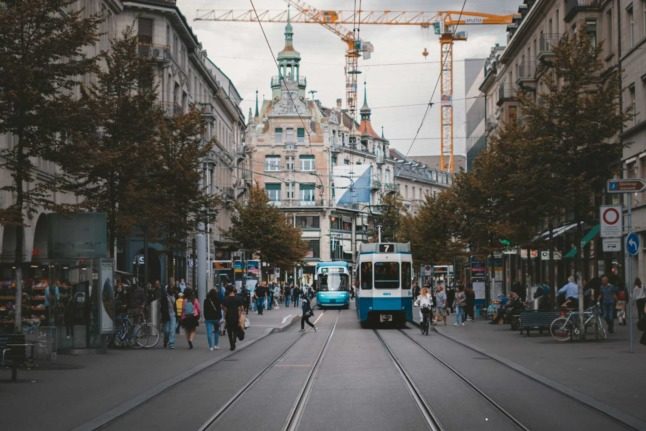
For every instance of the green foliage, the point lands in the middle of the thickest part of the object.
(550, 162)
(259, 227)
(41, 42)
(390, 217)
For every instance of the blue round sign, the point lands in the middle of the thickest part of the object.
(632, 244)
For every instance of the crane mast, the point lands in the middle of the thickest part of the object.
(445, 24)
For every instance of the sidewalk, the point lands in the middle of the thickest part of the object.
(80, 387)
(604, 373)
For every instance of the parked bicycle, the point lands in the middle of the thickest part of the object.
(567, 328)
(142, 334)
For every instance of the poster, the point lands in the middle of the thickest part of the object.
(479, 289)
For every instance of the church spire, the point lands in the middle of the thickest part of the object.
(365, 109)
(256, 115)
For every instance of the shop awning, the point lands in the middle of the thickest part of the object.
(557, 231)
(589, 236)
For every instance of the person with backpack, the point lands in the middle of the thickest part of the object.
(190, 315)
(212, 315)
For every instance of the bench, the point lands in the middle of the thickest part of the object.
(534, 319)
(15, 352)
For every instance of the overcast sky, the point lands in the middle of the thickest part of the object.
(400, 82)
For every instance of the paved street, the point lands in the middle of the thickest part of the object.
(353, 386)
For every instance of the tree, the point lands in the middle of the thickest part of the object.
(41, 59)
(259, 227)
(390, 217)
(178, 202)
(111, 162)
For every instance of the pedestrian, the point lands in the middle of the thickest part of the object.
(190, 315)
(232, 306)
(270, 296)
(608, 297)
(212, 315)
(620, 306)
(168, 317)
(460, 303)
(307, 313)
(639, 295)
(287, 294)
(182, 286)
(470, 300)
(52, 297)
(440, 304)
(179, 303)
(261, 293)
(450, 299)
(296, 294)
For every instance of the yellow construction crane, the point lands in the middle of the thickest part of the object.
(445, 24)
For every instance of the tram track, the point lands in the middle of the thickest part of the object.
(469, 383)
(590, 404)
(431, 419)
(296, 412)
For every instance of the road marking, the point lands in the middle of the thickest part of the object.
(319, 318)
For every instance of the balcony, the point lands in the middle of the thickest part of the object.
(526, 75)
(157, 53)
(505, 94)
(375, 184)
(296, 203)
(391, 187)
(572, 7)
(172, 109)
(546, 46)
(207, 110)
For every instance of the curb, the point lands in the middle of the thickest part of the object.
(610, 411)
(123, 408)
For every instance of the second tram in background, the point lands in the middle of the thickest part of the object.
(332, 284)
(384, 280)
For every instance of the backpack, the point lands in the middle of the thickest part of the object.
(188, 308)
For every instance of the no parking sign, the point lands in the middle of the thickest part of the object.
(611, 221)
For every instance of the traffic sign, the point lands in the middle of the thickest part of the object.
(628, 185)
(612, 244)
(632, 244)
(611, 221)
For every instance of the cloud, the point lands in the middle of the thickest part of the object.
(396, 75)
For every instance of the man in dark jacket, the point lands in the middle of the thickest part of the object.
(261, 293)
(232, 305)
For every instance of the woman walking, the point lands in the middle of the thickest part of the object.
(190, 315)
(440, 304)
(212, 315)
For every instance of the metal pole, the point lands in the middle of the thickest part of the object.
(629, 270)
(379, 232)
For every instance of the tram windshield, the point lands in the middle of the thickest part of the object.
(333, 282)
(386, 275)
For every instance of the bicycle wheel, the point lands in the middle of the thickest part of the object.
(147, 336)
(600, 330)
(561, 329)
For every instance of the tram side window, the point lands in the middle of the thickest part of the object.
(386, 275)
(366, 275)
(406, 275)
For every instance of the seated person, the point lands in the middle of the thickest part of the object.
(512, 307)
(571, 293)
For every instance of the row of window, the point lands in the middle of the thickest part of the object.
(272, 163)
(305, 191)
(288, 135)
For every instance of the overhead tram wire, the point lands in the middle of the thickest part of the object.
(439, 77)
(280, 76)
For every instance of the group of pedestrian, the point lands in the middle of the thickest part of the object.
(267, 296)
(436, 301)
(182, 310)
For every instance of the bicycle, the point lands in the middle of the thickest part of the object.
(426, 314)
(127, 333)
(566, 328)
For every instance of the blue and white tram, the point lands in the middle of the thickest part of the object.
(385, 276)
(332, 284)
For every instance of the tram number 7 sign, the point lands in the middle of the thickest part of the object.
(611, 217)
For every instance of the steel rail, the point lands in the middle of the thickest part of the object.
(431, 419)
(469, 383)
(296, 413)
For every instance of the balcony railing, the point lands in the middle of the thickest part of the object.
(391, 187)
(296, 203)
(172, 109)
(572, 7)
(275, 81)
(526, 74)
(159, 53)
(546, 45)
(505, 93)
